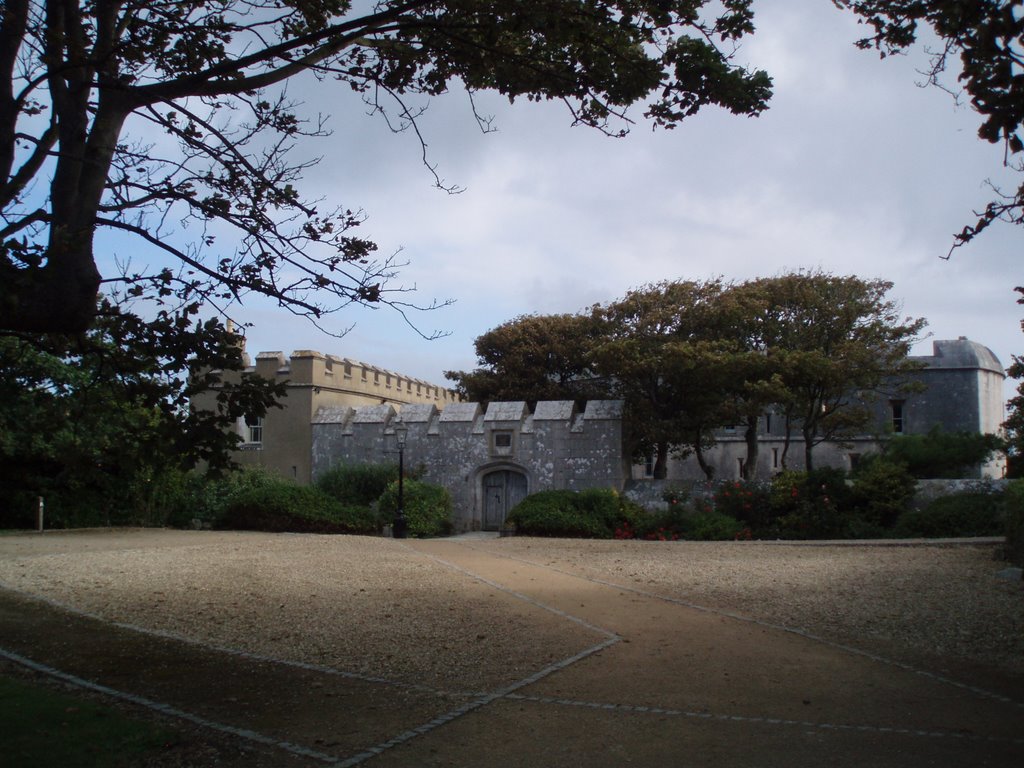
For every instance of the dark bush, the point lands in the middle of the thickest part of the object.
(748, 502)
(427, 507)
(941, 454)
(882, 490)
(711, 526)
(359, 484)
(283, 506)
(594, 513)
(809, 505)
(1014, 508)
(205, 499)
(960, 514)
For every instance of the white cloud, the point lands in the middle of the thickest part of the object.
(854, 169)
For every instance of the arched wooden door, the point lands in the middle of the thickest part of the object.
(502, 491)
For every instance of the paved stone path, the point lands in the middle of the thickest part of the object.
(665, 684)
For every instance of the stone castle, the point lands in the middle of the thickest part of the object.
(340, 410)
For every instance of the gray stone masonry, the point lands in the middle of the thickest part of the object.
(466, 449)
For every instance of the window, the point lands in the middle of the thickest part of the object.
(649, 465)
(775, 458)
(854, 461)
(768, 423)
(742, 464)
(501, 442)
(254, 429)
(897, 416)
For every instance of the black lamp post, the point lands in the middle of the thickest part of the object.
(400, 524)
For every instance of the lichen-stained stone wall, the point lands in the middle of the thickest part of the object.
(467, 449)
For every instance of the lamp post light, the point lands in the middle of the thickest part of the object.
(400, 524)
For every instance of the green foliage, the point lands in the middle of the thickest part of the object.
(282, 506)
(941, 454)
(809, 505)
(534, 357)
(711, 526)
(357, 484)
(957, 515)
(882, 489)
(205, 498)
(100, 424)
(427, 507)
(745, 501)
(1014, 508)
(594, 513)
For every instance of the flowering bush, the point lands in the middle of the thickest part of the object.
(748, 502)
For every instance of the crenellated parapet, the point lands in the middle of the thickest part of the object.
(468, 449)
(343, 375)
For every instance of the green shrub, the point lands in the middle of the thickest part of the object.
(941, 454)
(1013, 504)
(358, 484)
(711, 526)
(427, 507)
(809, 505)
(283, 506)
(593, 513)
(882, 490)
(206, 498)
(748, 502)
(960, 514)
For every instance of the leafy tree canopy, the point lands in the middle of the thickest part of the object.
(128, 115)
(101, 415)
(535, 357)
(688, 357)
(835, 342)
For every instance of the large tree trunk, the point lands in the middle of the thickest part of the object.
(59, 297)
(786, 443)
(661, 462)
(750, 465)
(708, 469)
(808, 449)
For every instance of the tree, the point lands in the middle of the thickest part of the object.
(98, 418)
(753, 382)
(665, 357)
(127, 115)
(535, 357)
(835, 342)
(988, 38)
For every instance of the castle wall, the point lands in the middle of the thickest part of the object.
(466, 449)
(315, 381)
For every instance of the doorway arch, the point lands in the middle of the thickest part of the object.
(501, 489)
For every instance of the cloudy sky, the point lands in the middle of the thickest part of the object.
(853, 170)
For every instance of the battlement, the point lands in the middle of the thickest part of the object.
(344, 375)
(555, 446)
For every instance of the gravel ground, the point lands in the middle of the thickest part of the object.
(353, 602)
(906, 602)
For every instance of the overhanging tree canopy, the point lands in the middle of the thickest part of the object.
(88, 87)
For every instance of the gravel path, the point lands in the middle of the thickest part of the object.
(351, 602)
(905, 602)
(519, 652)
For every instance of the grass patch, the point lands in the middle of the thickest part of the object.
(41, 728)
